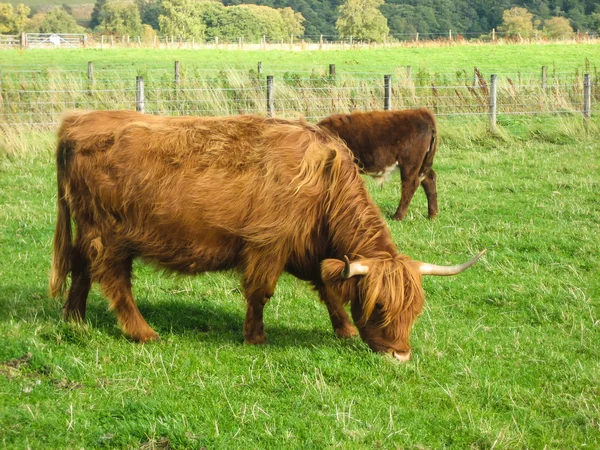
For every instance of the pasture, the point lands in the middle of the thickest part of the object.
(504, 355)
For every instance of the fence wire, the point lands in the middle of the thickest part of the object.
(39, 97)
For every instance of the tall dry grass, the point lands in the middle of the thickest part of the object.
(39, 97)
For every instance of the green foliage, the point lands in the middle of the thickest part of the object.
(558, 28)
(363, 20)
(149, 12)
(13, 20)
(56, 20)
(181, 19)
(97, 13)
(517, 22)
(120, 19)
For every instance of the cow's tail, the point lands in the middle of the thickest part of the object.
(63, 241)
(431, 150)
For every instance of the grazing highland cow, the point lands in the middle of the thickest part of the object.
(383, 141)
(197, 194)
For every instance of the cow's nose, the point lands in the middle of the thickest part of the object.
(401, 356)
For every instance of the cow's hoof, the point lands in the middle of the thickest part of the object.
(397, 217)
(257, 339)
(147, 336)
(346, 332)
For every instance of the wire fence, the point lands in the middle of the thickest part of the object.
(292, 42)
(38, 96)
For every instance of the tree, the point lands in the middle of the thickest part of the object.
(363, 20)
(13, 20)
(120, 19)
(149, 12)
(558, 28)
(55, 21)
(292, 22)
(517, 21)
(181, 19)
(97, 12)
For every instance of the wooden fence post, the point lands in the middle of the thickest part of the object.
(587, 96)
(259, 68)
(408, 73)
(177, 74)
(387, 92)
(91, 72)
(23, 40)
(321, 42)
(450, 34)
(544, 77)
(493, 103)
(139, 94)
(493, 35)
(475, 77)
(417, 38)
(270, 97)
(332, 70)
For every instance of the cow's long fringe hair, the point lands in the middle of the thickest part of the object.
(281, 186)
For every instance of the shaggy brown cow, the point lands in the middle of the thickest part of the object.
(262, 196)
(383, 141)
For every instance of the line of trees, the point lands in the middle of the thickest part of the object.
(370, 20)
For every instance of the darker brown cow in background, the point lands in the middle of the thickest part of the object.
(261, 196)
(385, 140)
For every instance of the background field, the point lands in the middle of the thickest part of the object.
(513, 58)
(504, 356)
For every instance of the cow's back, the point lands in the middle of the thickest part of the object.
(175, 189)
(379, 139)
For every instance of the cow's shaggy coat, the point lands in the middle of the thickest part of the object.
(260, 196)
(385, 140)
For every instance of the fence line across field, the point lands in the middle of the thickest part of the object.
(275, 95)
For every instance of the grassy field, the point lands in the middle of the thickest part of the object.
(504, 356)
(505, 58)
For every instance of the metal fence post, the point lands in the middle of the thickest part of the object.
(270, 97)
(387, 99)
(493, 103)
(587, 96)
(139, 94)
(544, 77)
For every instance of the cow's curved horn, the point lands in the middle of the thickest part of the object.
(432, 269)
(352, 269)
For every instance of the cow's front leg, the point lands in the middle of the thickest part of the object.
(430, 187)
(342, 326)
(410, 183)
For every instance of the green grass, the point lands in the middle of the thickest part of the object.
(509, 58)
(505, 355)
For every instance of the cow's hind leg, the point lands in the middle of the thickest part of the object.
(339, 317)
(259, 284)
(410, 183)
(74, 307)
(115, 281)
(429, 185)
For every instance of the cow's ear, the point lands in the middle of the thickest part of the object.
(331, 270)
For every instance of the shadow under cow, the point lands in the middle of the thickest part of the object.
(204, 320)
